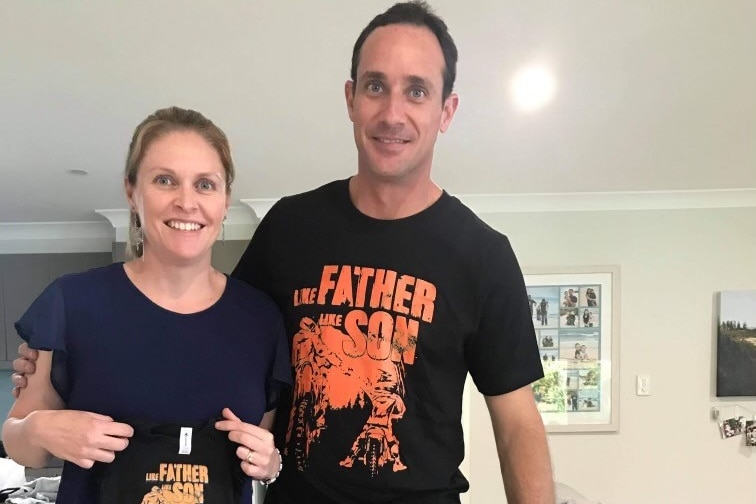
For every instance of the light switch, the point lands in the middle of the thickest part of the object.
(643, 385)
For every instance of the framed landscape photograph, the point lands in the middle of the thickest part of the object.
(736, 344)
(575, 313)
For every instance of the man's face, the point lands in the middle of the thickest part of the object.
(396, 103)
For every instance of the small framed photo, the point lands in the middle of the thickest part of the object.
(731, 427)
(750, 433)
(575, 312)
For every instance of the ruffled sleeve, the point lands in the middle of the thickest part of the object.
(280, 377)
(43, 327)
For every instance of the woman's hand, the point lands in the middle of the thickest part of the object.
(80, 437)
(259, 457)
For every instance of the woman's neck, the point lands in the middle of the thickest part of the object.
(183, 288)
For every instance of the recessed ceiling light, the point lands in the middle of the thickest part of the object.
(533, 87)
(77, 171)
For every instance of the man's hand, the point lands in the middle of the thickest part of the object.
(23, 365)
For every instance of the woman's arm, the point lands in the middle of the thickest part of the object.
(22, 430)
(38, 426)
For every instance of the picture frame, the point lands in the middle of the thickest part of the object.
(575, 312)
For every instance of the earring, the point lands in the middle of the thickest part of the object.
(137, 236)
(223, 230)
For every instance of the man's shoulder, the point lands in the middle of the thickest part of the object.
(296, 217)
(470, 225)
(326, 192)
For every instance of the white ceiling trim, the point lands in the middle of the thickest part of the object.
(610, 201)
(98, 236)
(259, 206)
(55, 237)
(585, 202)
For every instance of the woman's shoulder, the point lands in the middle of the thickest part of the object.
(99, 276)
(249, 306)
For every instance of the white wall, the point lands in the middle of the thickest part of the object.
(672, 262)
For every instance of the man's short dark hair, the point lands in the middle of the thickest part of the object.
(416, 13)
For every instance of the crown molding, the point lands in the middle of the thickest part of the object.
(98, 236)
(610, 201)
(259, 206)
(55, 237)
(119, 221)
(584, 202)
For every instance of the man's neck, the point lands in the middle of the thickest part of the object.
(392, 200)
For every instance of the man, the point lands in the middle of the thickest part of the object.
(392, 292)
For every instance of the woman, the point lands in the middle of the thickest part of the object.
(133, 354)
(590, 296)
(587, 318)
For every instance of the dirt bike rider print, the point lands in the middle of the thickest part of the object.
(357, 358)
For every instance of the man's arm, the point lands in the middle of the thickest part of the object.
(522, 447)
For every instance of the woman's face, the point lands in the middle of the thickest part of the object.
(180, 196)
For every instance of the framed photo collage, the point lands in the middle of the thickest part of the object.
(575, 315)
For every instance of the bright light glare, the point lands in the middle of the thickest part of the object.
(532, 88)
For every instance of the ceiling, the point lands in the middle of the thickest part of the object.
(651, 96)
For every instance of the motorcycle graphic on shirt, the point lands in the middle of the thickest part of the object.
(356, 359)
(376, 445)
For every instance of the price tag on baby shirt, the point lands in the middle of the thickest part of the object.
(185, 441)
